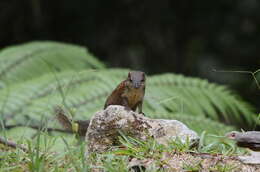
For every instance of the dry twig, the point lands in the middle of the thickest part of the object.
(12, 144)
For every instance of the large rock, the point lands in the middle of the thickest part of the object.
(105, 125)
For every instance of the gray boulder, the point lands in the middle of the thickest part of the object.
(105, 125)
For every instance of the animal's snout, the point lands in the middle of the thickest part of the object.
(137, 85)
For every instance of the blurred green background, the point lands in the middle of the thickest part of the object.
(183, 37)
(74, 53)
(187, 37)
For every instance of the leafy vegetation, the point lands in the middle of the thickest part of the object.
(31, 99)
(37, 76)
(200, 98)
(70, 155)
(30, 60)
(86, 92)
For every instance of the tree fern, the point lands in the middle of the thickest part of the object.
(34, 98)
(200, 124)
(86, 92)
(37, 76)
(200, 98)
(26, 61)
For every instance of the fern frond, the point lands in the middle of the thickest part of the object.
(26, 61)
(86, 92)
(200, 124)
(200, 98)
(36, 98)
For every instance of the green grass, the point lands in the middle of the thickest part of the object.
(65, 153)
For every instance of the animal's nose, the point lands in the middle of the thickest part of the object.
(136, 85)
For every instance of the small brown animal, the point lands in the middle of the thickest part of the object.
(249, 139)
(129, 93)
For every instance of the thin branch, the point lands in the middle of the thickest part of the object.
(209, 155)
(243, 72)
(12, 144)
(38, 128)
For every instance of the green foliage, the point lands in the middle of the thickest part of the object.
(167, 96)
(111, 163)
(70, 157)
(38, 76)
(198, 97)
(41, 155)
(224, 168)
(192, 168)
(200, 124)
(30, 60)
(33, 100)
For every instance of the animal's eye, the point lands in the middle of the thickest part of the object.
(142, 80)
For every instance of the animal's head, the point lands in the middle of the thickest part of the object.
(232, 135)
(136, 79)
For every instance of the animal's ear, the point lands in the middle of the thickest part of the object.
(143, 75)
(129, 75)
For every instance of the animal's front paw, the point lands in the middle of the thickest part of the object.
(142, 113)
(127, 108)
